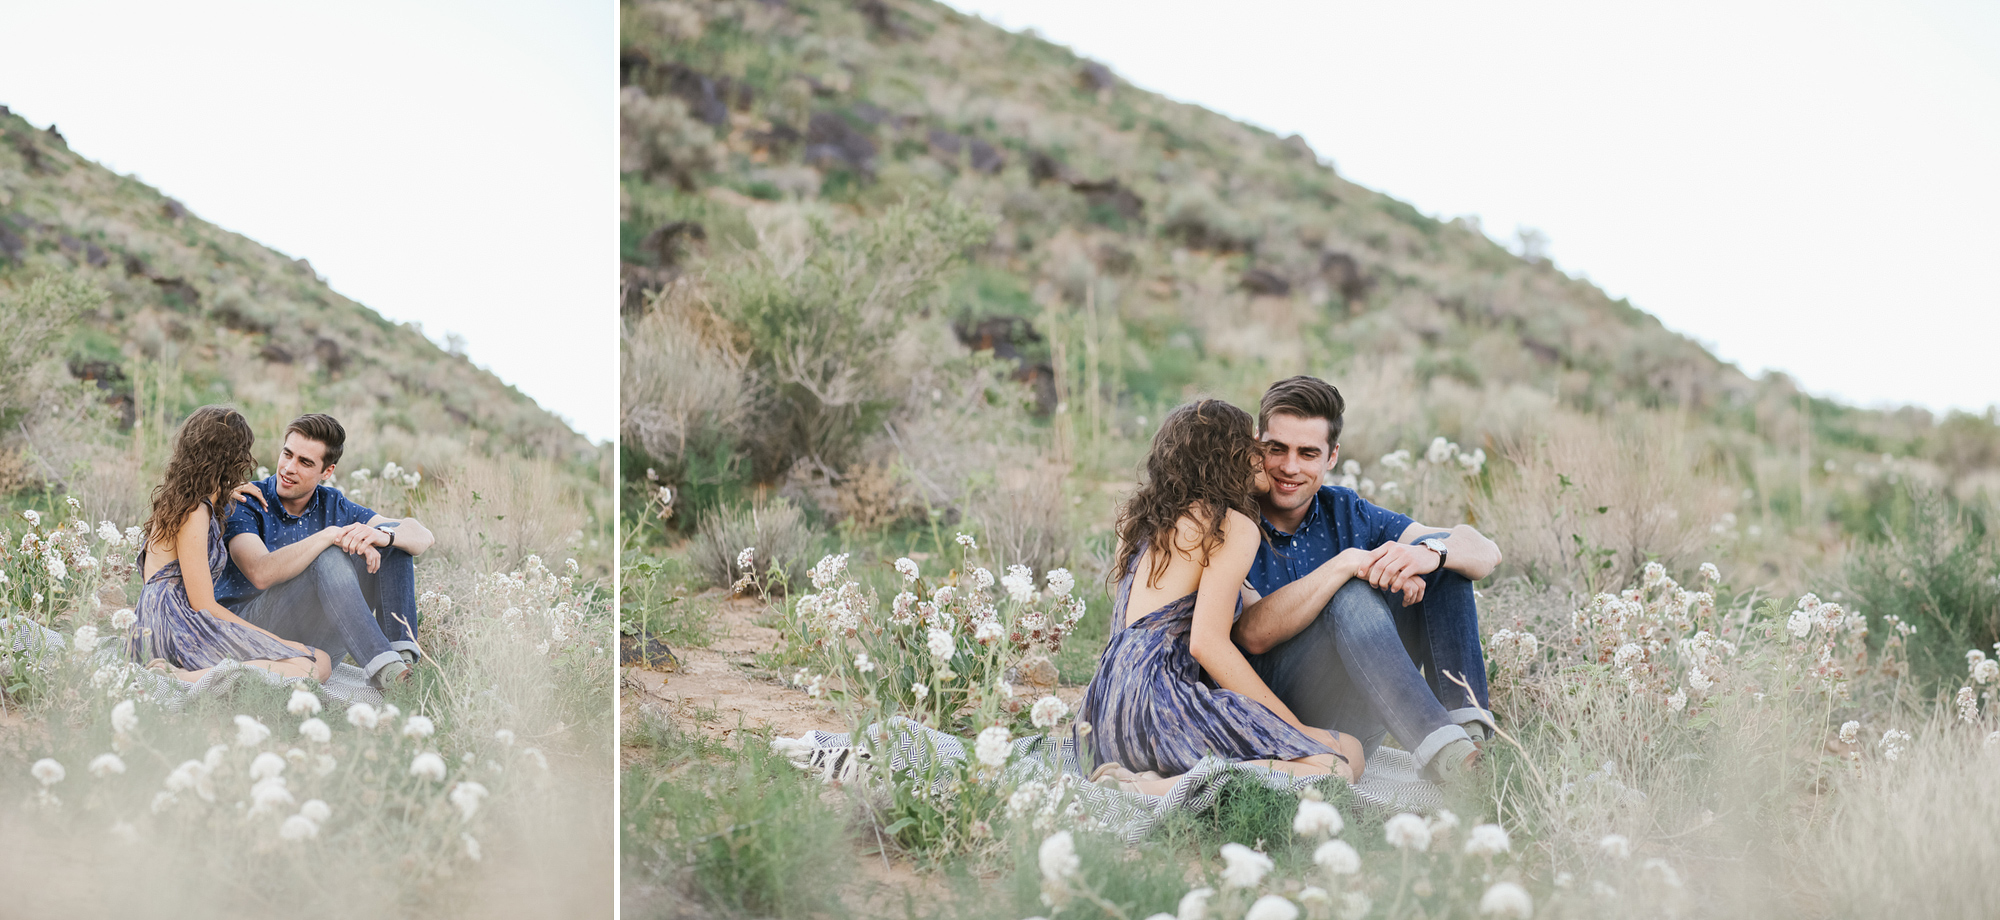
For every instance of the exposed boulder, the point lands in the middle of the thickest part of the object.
(1095, 77)
(1266, 281)
(832, 142)
(1007, 337)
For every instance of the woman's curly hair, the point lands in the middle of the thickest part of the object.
(211, 456)
(1203, 463)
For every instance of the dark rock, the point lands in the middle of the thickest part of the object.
(1005, 337)
(946, 143)
(232, 316)
(1045, 168)
(1340, 270)
(6, 112)
(1266, 281)
(306, 267)
(173, 210)
(647, 652)
(636, 284)
(668, 243)
(1096, 77)
(1116, 259)
(107, 375)
(779, 140)
(1297, 148)
(179, 292)
(882, 19)
(331, 356)
(1111, 193)
(30, 152)
(634, 66)
(276, 353)
(136, 267)
(11, 243)
(127, 409)
(987, 158)
(57, 135)
(833, 142)
(95, 255)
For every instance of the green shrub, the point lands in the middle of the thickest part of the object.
(1935, 568)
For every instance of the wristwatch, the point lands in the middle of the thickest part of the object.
(1436, 545)
(389, 527)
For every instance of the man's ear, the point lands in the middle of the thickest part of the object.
(327, 473)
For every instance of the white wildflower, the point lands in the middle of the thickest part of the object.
(1653, 574)
(316, 731)
(362, 715)
(1058, 858)
(1315, 896)
(1408, 832)
(1194, 904)
(1507, 899)
(1985, 671)
(1440, 450)
(966, 541)
(1799, 623)
(1272, 907)
(297, 758)
(1894, 741)
(57, 569)
(316, 811)
(1061, 582)
(471, 846)
(1711, 574)
(982, 579)
(298, 827)
(34, 517)
(1317, 819)
(85, 641)
(1677, 700)
(109, 533)
(1355, 905)
(940, 644)
(1020, 583)
(907, 568)
(250, 732)
(1850, 730)
(269, 795)
(104, 766)
(1048, 711)
(428, 766)
(920, 691)
(124, 717)
(303, 703)
(863, 664)
(1243, 867)
(389, 712)
(418, 727)
(747, 559)
(266, 766)
(1660, 867)
(1616, 846)
(992, 746)
(466, 797)
(504, 736)
(1968, 704)
(1337, 857)
(1487, 840)
(123, 619)
(989, 630)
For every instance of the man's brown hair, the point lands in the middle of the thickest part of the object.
(1304, 397)
(324, 429)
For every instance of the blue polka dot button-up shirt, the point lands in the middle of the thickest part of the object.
(328, 507)
(1337, 520)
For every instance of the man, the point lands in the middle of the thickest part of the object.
(1357, 616)
(314, 567)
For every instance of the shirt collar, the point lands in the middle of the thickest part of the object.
(1305, 523)
(270, 489)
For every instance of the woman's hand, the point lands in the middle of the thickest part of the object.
(1320, 735)
(248, 492)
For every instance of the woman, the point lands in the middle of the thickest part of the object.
(179, 619)
(1172, 687)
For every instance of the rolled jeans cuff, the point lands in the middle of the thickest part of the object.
(378, 662)
(404, 645)
(1470, 714)
(1436, 741)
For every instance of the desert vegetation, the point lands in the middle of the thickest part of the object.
(894, 276)
(483, 786)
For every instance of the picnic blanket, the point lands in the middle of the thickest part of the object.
(1389, 782)
(345, 686)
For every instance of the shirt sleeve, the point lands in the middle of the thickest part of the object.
(1381, 524)
(242, 519)
(349, 512)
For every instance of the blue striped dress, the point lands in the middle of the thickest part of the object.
(1151, 707)
(170, 627)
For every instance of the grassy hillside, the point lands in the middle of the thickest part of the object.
(147, 311)
(894, 274)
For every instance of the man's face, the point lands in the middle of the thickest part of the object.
(300, 466)
(1297, 455)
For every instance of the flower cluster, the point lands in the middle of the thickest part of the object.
(535, 603)
(1661, 640)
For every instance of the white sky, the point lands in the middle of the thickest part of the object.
(448, 162)
(1806, 187)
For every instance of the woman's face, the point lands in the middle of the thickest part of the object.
(1260, 484)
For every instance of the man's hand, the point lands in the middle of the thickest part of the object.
(354, 538)
(248, 492)
(1399, 567)
(374, 557)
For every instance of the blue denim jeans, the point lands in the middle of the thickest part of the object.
(1368, 666)
(338, 605)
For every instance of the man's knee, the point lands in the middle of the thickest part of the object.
(1358, 602)
(333, 564)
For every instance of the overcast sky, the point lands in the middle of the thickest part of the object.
(448, 162)
(1807, 187)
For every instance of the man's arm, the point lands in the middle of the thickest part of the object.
(1401, 566)
(1270, 620)
(266, 567)
(411, 536)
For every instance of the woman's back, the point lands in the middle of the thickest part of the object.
(1184, 565)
